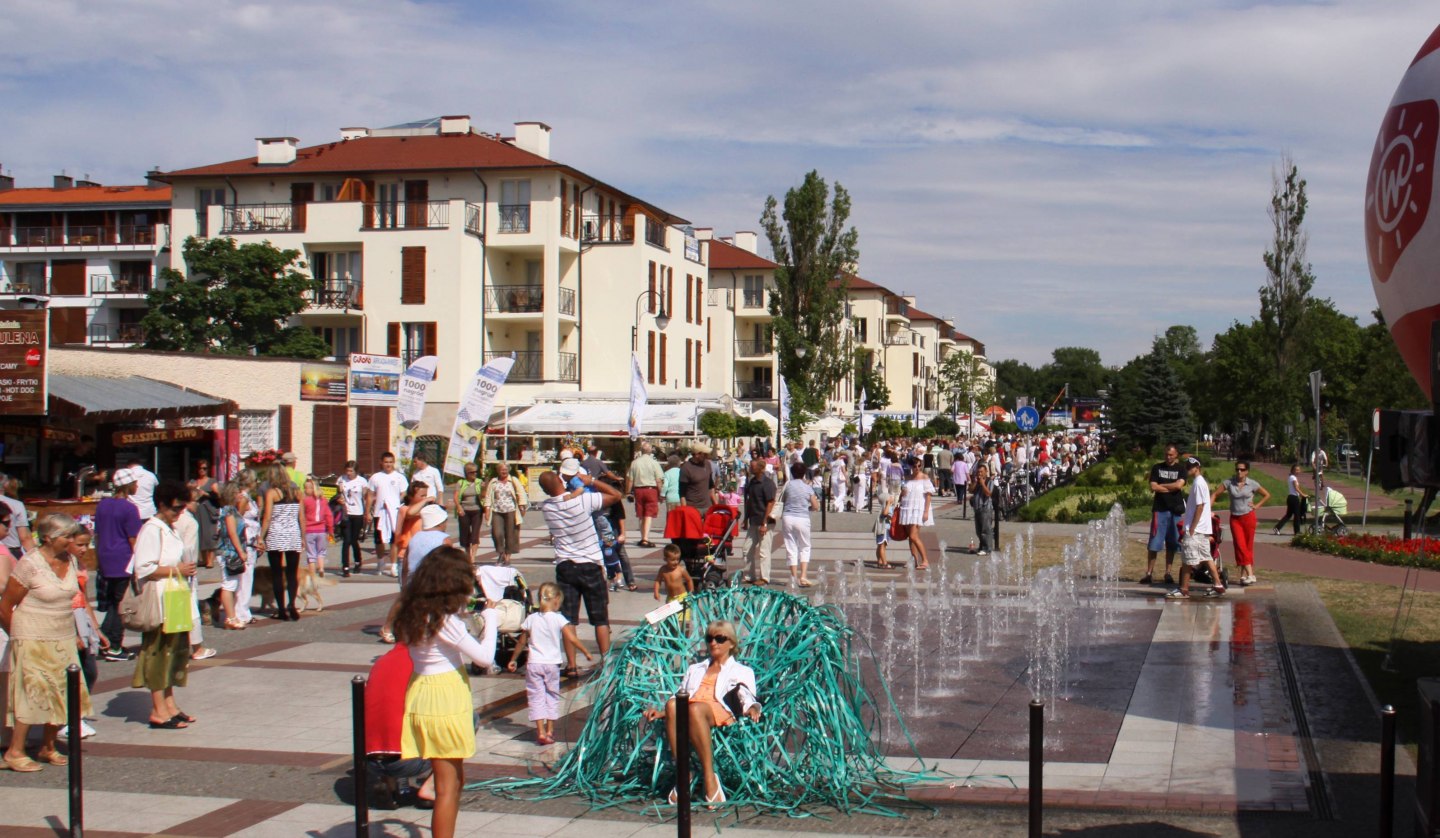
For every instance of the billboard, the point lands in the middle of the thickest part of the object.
(375, 380)
(22, 362)
(323, 383)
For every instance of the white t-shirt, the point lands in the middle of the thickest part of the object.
(430, 476)
(572, 528)
(156, 545)
(494, 579)
(352, 493)
(144, 497)
(1294, 483)
(1199, 498)
(547, 636)
(448, 649)
(388, 488)
(19, 517)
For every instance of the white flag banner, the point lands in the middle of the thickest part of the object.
(639, 397)
(784, 396)
(862, 411)
(474, 414)
(411, 407)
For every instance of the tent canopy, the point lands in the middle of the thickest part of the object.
(600, 418)
(128, 399)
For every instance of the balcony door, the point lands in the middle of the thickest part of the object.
(301, 194)
(417, 202)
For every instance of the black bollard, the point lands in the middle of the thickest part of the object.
(362, 773)
(824, 502)
(682, 763)
(1037, 767)
(72, 718)
(1387, 771)
(1408, 503)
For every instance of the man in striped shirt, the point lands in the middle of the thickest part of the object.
(579, 562)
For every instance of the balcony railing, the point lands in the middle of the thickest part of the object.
(474, 219)
(569, 364)
(260, 218)
(137, 234)
(39, 236)
(753, 299)
(405, 215)
(598, 229)
(754, 390)
(897, 307)
(515, 299)
(514, 218)
(22, 287)
(116, 333)
(337, 293)
(86, 235)
(752, 348)
(109, 284)
(530, 365)
(902, 339)
(567, 301)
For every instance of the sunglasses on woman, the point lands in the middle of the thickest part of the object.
(718, 638)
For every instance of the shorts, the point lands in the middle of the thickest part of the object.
(1196, 550)
(583, 581)
(647, 502)
(1164, 531)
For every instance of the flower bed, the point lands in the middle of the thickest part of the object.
(1379, 549)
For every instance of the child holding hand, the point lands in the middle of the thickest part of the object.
(547, 633)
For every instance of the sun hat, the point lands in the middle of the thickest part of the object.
(432, 516)
(124, 477)
(569, 467)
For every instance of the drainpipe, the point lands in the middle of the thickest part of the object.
(484, 252)
(580, 294)
(736, 291)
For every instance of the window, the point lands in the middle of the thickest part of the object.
(754, 292)
(915, 364)
(339, 273)
(257, 431)
(663, 352)
(412, 275)
(698, 356)
(670, 291)
(330, 191)
(861, 330)
(699, 300)
(688, 344)
(387, 206)
(29, 277)
(411, 340)
(342, 340)
(689, 299)
(204, 200)
(514, 206)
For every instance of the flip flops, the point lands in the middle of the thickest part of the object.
(173, 723)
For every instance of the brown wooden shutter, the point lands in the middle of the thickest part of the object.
(330, 434)
(417, 204)
(431, 339)
(650, 346)
(67, 326)
(372, 436)
(699, 300)
(286, 422)
(412, 275)
(392, 339)
(670, 291)
(663, 347)
(698, 357)
(564, 208)
(687, 354)
(301, 194)
(67, 278)
(650, 299)
(689, 297)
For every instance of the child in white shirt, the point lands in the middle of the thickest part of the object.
(547, 633)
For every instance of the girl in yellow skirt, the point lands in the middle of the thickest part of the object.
(439, 711)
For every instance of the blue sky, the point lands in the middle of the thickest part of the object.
(1048, 172)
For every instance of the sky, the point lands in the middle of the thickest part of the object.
(1046, 172)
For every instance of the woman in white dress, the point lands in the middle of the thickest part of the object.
(839, 483)
(915, 510)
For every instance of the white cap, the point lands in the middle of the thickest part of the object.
(124, 477)
(569, 467)
(432, 515)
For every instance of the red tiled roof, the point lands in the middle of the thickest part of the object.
(81, 195)
(727, 257)
(917, 314)
(856, 283)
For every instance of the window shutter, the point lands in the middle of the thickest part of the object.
(689, 296)
(663, 347)
(372, 435)
(286, 420)
(669, 292)
(392, 339)
(698, 357)
(650, 355)
(687, 354)
(699, 300)
(431, 339)
(564, 208)
(330, 430)
(651, 298)
(412, 275)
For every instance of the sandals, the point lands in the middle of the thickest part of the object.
(570, 672)
(23, 765)
(186, 718)
(235, 624)
(52, 757)
(386, 637)
(633, 588)
(712, 802)
(174, 723)
(646, 544)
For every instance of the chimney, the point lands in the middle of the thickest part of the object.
(275, 151)
(704, 234)
(745, 240)
(64, 181)
(6, 181)
(353, 133)
(152, 178)
(86, 181)
(908, 298)
(533, 137)
(455, 124)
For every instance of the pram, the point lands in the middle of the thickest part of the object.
(1201, 573)
(506, 587)
(1332, 512)
(705, 544)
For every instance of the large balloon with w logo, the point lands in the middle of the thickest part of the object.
(1402, 230)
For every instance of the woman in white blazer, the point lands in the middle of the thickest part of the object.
(719, 688)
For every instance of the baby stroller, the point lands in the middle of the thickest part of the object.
(1201, 574)
(1332, 512)
(719, 526)
(505, 586)
(698, 548)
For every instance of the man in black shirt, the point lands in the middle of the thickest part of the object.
(697, 479)
(760, 492)
(1167, 512)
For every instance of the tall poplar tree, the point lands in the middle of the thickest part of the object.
(1285, 295)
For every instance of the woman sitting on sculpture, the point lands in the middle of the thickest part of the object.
(720, 689)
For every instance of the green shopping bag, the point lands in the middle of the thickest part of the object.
(176, 601)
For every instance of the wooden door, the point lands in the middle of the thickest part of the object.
(301, 194)
(67, 278)
(417, 206)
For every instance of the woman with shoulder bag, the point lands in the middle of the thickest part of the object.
(164, 658)
(232, 550)
(505, 503)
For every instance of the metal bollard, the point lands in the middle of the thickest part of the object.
(682, 763)
(72, 718)
(362, 774)
(824, 503)
(1387, 771)
(1408, 504)
(1037, 767)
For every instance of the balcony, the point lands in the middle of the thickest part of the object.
(515, 299)
(514, 218)
(655, 234)
(38, 236)
(752, 348)
(530, 366)
(109, 285)
(343, 294)
(116, 333)
(897, 308)
(92, 236)
(475, 219)
(22, 288)
(261, 218)
(598, 229)
(899, 339)
(407, 215)
(754, 390)
(567, 301)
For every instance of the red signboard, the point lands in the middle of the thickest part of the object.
(153, 436)
(22, 362)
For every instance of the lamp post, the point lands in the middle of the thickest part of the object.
(662, 317)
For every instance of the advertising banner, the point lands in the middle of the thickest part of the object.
(474, 414)
(323, 383)
(639, 397)
(784, 394)
(411, 406)
(22, 362)
(375, 380)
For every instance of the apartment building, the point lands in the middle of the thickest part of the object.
(434, 237)
(741, 282)
(87, 252)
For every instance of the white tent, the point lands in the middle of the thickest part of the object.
(600, 418)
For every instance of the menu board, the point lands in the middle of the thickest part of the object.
(22, 362)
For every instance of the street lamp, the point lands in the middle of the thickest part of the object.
(662, 317)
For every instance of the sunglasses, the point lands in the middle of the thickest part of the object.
(4, 522)
(718, 638)
(177, 506)
(1242, 468)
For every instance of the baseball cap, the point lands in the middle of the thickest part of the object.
(1191, 462)
(288, 456)
(124, 477)
(700, 448)
(432, 516)
(569, 467)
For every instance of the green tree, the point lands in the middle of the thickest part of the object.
(236, 300)
(717, 424)
(1180, 347)
(1076, 366)
(1014, 379)
(870, 381)
(1385, 381)
(1284, 296)
(1148, 406)
(963, 380)
(815, 252)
